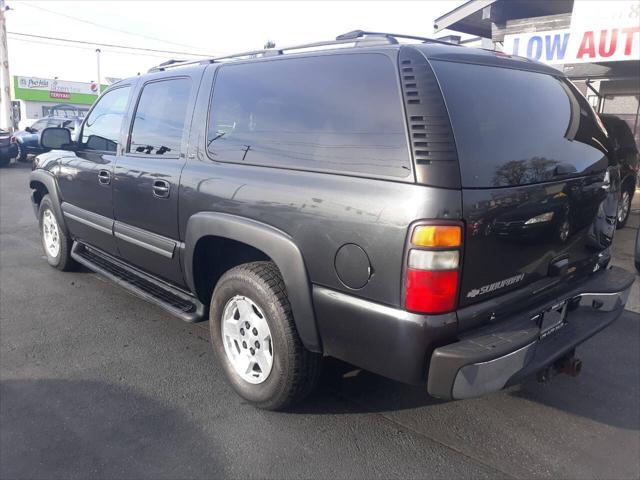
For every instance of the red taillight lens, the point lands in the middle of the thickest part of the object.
(432, 270)
(13, 139)
(431, 291)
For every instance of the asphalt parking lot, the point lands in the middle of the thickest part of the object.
(96, 383)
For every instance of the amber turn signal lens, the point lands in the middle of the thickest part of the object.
(437, 236)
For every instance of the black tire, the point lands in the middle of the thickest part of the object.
(62, 260)
(22, 154)
(295, 370)
(4, 161)
(625, 196)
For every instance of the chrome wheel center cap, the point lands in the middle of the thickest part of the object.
(247, 339)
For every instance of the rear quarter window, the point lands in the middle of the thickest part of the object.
(335, 113)
(515, 127)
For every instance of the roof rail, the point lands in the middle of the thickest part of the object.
(361, 33)
(357, 37)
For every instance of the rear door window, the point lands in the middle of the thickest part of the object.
(160, 117)
(515, 127)
(336, 113)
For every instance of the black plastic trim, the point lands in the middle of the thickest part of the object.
(142, 238)
(49, 181)
(275, 244)
(432, 141)
(177, 302)
(99, 222)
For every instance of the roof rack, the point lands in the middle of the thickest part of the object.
(356, 37)
(361, 33)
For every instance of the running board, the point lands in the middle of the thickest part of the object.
(173, 300)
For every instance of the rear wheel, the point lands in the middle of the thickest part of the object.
(55, 241)
(624, 208)
(254, 337)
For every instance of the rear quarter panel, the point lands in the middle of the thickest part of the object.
(319, 211)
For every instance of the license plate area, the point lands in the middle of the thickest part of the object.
(552, 319)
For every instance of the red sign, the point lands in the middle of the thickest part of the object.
(62, 95)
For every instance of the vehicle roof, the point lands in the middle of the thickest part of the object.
(432, 51)
(481, 56)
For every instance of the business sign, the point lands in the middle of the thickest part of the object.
(54, 90)
(599, 33)
(576, 46)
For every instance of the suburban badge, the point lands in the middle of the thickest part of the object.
(495, 286)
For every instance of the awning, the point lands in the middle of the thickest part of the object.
(476, 16)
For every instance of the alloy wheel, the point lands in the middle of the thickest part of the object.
(50, 233)
(247, 339)
(624, 206)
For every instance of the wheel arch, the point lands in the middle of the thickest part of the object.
(274, 244)
(44, 183)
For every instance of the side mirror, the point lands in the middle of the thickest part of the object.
(56, 138)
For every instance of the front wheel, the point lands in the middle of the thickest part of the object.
(55, 241)
(255, 339)
(624, 208)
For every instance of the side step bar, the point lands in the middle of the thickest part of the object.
(173, 300)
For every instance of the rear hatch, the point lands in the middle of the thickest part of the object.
(533, 161)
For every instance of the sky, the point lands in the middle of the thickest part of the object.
(196, 27)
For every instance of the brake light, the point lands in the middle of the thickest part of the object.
(432, 272)
(12, 139)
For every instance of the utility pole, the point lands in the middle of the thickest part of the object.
(98, 57)
(6, 111)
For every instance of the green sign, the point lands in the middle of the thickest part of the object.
(54, 91)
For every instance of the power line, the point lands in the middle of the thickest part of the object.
(84, 42)
(89, 22)
(88, 49)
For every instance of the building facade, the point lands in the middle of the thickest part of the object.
(36, 97)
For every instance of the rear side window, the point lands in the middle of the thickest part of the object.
(160, 117)
(516, 127)
(101, 131)
(338, 113)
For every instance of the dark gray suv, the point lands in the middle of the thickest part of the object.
(432, 213)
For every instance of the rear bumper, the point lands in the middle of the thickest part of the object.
(490, 358)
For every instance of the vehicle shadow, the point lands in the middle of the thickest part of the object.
(87, 429)
(606, 392)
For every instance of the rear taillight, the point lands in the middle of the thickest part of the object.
(13, 139)
(432, 272)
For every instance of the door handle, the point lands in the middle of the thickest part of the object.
(161, 188)
(104, 177)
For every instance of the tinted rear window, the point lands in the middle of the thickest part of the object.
(516, 127)
(328, 113)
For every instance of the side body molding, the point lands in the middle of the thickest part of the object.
(274, 243)
(49, 181)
